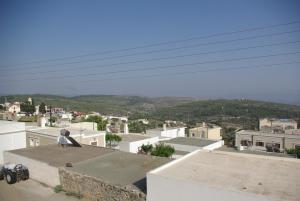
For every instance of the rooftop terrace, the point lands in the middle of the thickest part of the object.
(57, 156)
(110, 166)
(269, 176)
(134, 137)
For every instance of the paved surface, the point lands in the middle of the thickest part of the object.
(190, 141)
(30, 191)
(58, 156)
(264, 175)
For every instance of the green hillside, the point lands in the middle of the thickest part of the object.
(240, 112)
(105, 104)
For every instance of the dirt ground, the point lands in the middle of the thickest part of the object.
(30, 190)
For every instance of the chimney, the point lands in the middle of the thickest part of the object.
(164, 127)
(126, 128)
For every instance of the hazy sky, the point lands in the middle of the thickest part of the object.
(78, 36)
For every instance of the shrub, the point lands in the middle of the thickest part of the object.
(163, 150)
(58, 188)
(147, 148)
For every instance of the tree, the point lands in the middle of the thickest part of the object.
(163, 150)
(53, 119)
(42, 108)
(295, 152)
(101, 124)
(27, 107)
(112, 138)
(229, 136)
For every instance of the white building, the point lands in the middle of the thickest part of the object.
(133, 142)
(167, 132)
(14, 107)
(12, 136)
(226, 176)
(84, 125)
(37, 136)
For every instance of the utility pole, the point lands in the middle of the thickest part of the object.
(50, 116)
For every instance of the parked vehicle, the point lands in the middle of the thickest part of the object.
(14, 173)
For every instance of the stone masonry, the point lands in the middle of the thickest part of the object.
(93, 189)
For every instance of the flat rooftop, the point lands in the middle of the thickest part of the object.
(190, 141)
(58, 156)
(120, 168)
(111, 166)
(263, 153)
(134, 137)
(274, 177)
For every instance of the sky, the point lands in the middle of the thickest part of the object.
(206, 49)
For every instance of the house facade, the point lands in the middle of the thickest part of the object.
(266, 141)
(277, 125)
(206, 131)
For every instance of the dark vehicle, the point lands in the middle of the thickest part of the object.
(14, 173)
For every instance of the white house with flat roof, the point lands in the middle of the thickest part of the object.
(216, 175)
(133, 142)
(167, 132)
(37, 136)
(12, 136)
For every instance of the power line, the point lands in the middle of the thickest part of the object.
(163, 50)
(198, 71)
(161, 67)
(165, 58)
(160, 43)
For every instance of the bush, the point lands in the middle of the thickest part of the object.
(295, 152)
(77, 195)
(147, 148)
(58, 188)
(163, 150)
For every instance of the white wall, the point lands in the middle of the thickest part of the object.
(133, 147)
(161, 188)
(214, 146)
(12, 136)
(173, 133)
(84, 125)
(190, 148)
(39, 171)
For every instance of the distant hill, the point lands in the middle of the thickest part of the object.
(105, 104)
(236, 111)
(175, 108)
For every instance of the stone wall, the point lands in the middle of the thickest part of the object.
(93, 189)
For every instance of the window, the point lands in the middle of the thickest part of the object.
(259, 144)
(193, 134)
(297, 146)
(246, 143)
(95, 143)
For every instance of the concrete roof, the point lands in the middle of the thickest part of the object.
(134, 137)
(190, 141)
(56, 131)
(120, 168)
(263, 153)
(57, 156)
(110, 166)
(274, 177)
